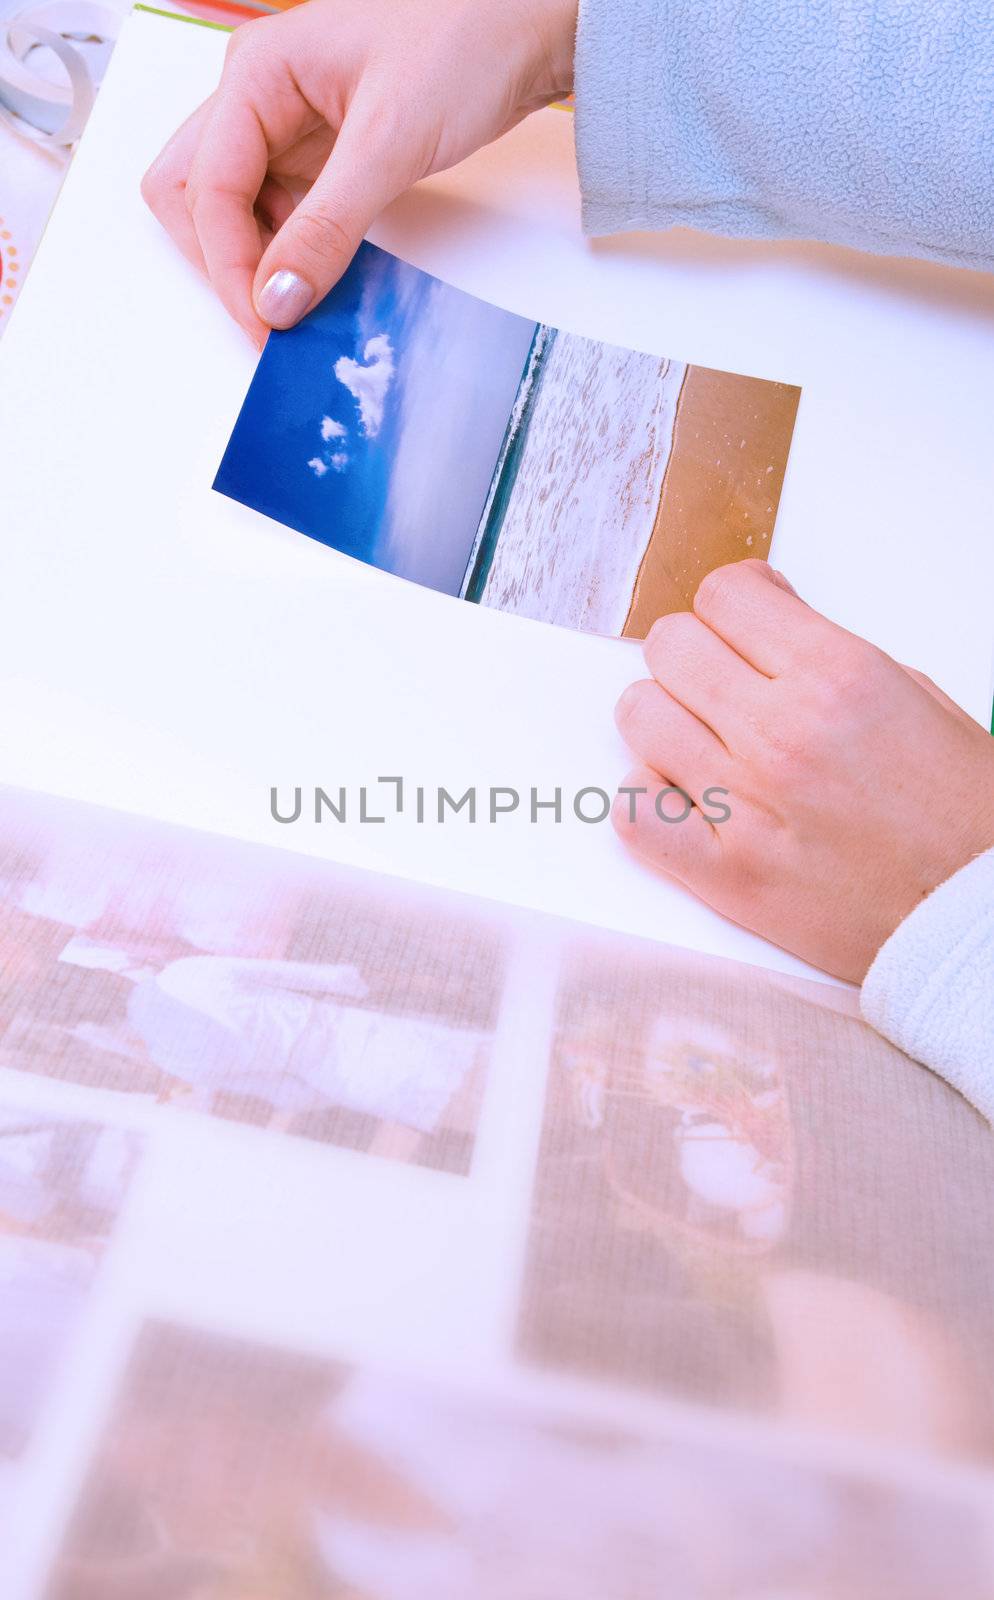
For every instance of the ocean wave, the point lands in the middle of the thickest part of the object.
(574, 499)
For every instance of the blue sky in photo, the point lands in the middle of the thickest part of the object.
(376, 423)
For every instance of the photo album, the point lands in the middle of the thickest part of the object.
(368, 1229)
(382, 1242)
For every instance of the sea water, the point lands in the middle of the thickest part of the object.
(574, 498)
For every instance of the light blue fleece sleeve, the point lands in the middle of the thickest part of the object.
(862, 122)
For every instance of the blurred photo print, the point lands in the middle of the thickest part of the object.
(234, 1471)
(63, 1182)
(740, 1202)
(244, 983)
(503, 461)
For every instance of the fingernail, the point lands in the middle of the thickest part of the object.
(284, 299)
(784, 583)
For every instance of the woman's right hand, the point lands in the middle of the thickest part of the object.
(325, 114)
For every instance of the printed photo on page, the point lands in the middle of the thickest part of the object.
(228, 1468)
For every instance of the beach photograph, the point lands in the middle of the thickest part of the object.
(504, 461)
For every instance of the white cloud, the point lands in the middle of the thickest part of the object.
(369, 385)
(331, 429)
(319, 465)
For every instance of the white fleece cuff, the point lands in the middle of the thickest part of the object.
(931, 988)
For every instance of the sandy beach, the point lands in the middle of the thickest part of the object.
(721, 489)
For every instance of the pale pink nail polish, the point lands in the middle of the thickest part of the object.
(284, 299)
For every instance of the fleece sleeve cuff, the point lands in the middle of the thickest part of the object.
(931, 988)
(862, 122)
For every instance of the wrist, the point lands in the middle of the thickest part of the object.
(563, 47)
(551, 25)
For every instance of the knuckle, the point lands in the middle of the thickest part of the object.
(754, 564)
(631, 807)
(786, 766)
(923, 680)
(752, 848)
(159, 181)
(634, 702)
(717, 589)
(241, 38)
(746, 883)
(639, 828)
(319, 232)
(624, 817)
(849, 680)
(250, 45)
(151, 188)
(670, 635)
(788, 757)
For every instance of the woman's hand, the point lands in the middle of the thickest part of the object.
(855, 786)
(328, 112)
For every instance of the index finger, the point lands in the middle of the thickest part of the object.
(764, 622)
(164, 185)
(226, 175)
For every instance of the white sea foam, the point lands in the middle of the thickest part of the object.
(535, 357)
(588, 483)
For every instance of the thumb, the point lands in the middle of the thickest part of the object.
(365, 171)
